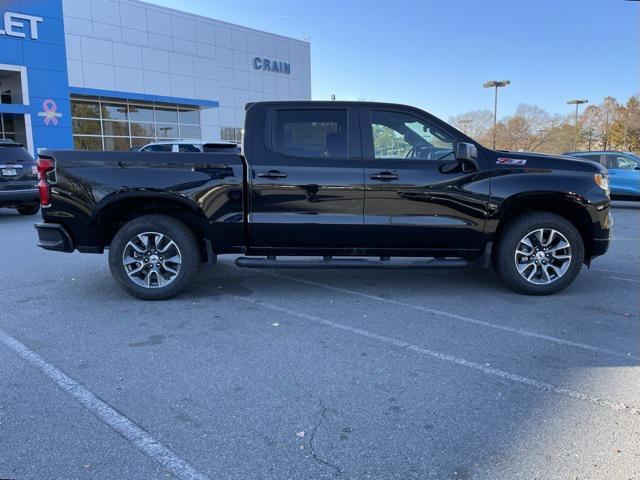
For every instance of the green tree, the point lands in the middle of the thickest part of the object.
(625, 130)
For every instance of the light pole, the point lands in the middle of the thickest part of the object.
(495, 84)
(577, 103)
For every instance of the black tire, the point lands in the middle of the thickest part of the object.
(515, 231)
(28, 209)
(176, 231)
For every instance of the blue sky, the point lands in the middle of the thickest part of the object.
(437, 54)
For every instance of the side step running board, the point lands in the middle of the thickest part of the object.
(329, 262)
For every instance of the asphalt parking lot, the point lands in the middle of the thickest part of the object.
(317, 374)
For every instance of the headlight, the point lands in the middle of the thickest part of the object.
(602, 181)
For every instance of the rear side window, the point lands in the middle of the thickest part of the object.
(311, 133)
(188, 148)
(164, 147)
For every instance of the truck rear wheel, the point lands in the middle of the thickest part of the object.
(154, 257)
(539, 254)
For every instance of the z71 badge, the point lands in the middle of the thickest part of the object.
(512, 161)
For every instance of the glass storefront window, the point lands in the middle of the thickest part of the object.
(189, 131)
(142, 130)
(85, 110)
(166, 116)
(87, 127)
(7, 123)
(141, 142)
(231, 134)
(114, 111)
(139, 113)
(120, 125)
(189, 117)
(116, 129)
(117, 144)
(12, 127)
(166, 130)
(87, 143)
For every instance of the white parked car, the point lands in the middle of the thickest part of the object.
(182, 146)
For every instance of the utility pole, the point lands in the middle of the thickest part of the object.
(577, 103)
(495, 84)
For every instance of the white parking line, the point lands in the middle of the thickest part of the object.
(117, 421)
(482, 323)
(548, 387)
(615, 272)
(624, 279)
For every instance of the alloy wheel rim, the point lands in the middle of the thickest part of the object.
(543, 256)
(152, 260)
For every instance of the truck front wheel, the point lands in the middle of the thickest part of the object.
(539, 254)
(154, 257)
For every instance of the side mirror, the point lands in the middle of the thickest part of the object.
(467, 153)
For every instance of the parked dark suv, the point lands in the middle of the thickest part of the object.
(18, 178)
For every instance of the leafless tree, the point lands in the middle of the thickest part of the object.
(601, 126)
(476, 124)
(527, 130)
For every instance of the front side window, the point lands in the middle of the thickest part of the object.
(621, 162)
(399, 135)
(311, 133)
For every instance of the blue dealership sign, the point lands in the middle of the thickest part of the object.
(32, 45)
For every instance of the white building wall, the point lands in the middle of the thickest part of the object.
(132, 46)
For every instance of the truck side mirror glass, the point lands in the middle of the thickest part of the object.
(467, 155)
(466, 151)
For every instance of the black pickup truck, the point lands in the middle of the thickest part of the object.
(353, 184)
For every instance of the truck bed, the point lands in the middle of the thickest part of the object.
(87, 187)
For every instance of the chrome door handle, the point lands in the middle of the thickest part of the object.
(384, 176)
(272, 174)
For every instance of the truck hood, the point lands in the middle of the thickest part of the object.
(553, 162)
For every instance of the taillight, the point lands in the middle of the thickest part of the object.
(45, 165)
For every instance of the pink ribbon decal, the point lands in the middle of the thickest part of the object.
(50, 112)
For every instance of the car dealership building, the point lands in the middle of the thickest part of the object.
(115, 74)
